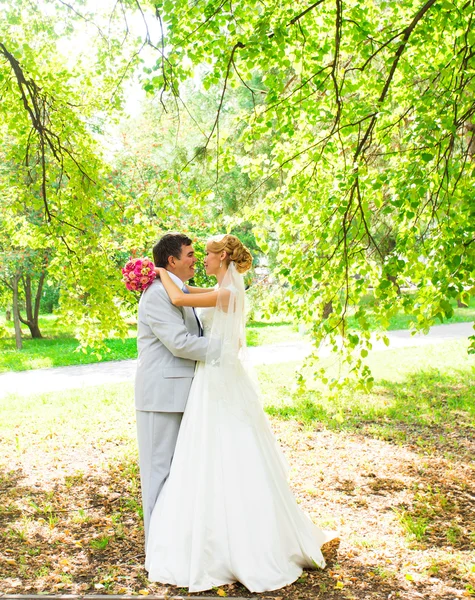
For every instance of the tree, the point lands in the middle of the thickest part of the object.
(55, 194)
(362, 122)
(23, 273)
(58, 190)
(343, 132)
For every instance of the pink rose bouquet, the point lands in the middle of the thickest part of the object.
(138, 274)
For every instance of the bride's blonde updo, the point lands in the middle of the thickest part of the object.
(234, 248)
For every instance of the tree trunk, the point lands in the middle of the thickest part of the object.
(39, 291)
(393, 280)
(8, 315)
(32, 314)
(327, 310)
(16, 313)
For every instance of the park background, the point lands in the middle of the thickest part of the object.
(336, 139)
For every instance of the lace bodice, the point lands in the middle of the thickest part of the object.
(206, 318)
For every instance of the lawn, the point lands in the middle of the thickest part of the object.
(59, 348)
(403, 321)
(414, 385)
(392, 471)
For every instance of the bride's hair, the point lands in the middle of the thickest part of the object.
(234, 248)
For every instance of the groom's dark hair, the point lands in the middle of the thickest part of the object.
(169, 245)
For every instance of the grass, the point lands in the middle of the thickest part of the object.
(260, 333)
(403, 321)
(391, 471)
(59, 347)
(100, 543)
(414, 527)
(422, 385)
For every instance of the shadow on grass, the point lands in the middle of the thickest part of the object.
(432, 414)
(84, 534)
(432, 411)
(79, 533)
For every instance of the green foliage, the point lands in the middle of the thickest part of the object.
(52, 174)
(49, 299)
(59, 348)
(337, 138)
(61, 92)
(402, 320)
(357, 137)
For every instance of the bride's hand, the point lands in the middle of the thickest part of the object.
(158, 271)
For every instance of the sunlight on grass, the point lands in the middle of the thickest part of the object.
(102, 415)
(405, 321)
(428, 384)
(421, 385)
(70, 467)
(261, 333)
(59, 347)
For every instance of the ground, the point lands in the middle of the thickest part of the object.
(392, 472)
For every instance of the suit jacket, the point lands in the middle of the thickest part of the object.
(168, 345)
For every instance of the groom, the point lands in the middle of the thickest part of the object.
(169, 343)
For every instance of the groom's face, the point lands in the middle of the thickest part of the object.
(183, 267)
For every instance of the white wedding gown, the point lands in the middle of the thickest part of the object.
(226, 512)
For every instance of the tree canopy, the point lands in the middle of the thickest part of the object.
(347, 129)
(360, 129)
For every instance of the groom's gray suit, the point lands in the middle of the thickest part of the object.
(168, 345)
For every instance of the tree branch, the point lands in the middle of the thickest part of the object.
(402, 46)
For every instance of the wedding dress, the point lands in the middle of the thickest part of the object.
(226, 512)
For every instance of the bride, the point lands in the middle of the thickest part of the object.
(226, 512)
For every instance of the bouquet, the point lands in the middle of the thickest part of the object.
(138, 274)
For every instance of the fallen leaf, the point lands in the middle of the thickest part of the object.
(339, 585)
(221, 592)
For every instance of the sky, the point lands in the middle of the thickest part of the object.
(87, 35)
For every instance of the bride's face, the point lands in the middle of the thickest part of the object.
(212, 261)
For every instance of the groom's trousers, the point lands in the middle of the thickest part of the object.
(157, 433)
